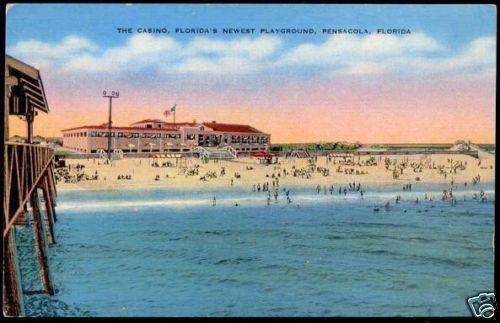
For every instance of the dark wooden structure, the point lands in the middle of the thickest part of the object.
(28, 173)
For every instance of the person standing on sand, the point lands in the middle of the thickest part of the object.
(232, 183)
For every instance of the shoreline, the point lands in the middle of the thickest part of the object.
(139, 187)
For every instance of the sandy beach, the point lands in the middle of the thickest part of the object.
(187, 173)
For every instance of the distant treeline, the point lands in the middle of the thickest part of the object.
(341, 146)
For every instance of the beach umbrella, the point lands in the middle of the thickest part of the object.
(130, 146)
(151, 145)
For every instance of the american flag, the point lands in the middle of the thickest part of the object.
(169, 111)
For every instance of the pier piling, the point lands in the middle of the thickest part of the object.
(49, 217)
(11, 289)
(41, 252)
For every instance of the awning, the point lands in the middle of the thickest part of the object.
(261, 154)
(29, 81)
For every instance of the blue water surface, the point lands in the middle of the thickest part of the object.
(162, 252)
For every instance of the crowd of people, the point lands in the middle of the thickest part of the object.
(73, 174)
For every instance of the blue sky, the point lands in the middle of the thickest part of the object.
(84, 38)
(452, 24)
(451, 47)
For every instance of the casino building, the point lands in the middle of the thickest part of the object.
(153, 135)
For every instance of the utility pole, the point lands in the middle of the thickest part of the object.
(110, 95)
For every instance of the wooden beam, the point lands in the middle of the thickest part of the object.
(11, 288)
(26, 198)
(22, 220)
(49, 218)
(51, 196)
(41, 252)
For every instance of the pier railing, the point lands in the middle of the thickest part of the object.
(28, 169)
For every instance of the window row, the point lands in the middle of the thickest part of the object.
(249, 139)
(124, 134)
(234, 139)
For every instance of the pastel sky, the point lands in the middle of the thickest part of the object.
(436, 84)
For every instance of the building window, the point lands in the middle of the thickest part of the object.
(149, 126)
(136, 135)
(120, 134)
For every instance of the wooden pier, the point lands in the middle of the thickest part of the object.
(28, 175)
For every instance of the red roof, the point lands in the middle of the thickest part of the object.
(105, 127)
(190, 124)
(149, 120)
(166, 123)
(225, 127)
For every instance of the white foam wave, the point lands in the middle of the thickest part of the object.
(255, 199)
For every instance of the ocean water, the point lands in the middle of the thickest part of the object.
(161, 252)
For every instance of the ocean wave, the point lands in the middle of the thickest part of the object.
(251, 199)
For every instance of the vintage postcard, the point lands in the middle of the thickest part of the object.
(244, 160)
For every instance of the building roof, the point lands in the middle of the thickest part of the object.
(182, 124)
(148, 120)
(29, 79)
(169, 126)
(105, 127)
(226, 127)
